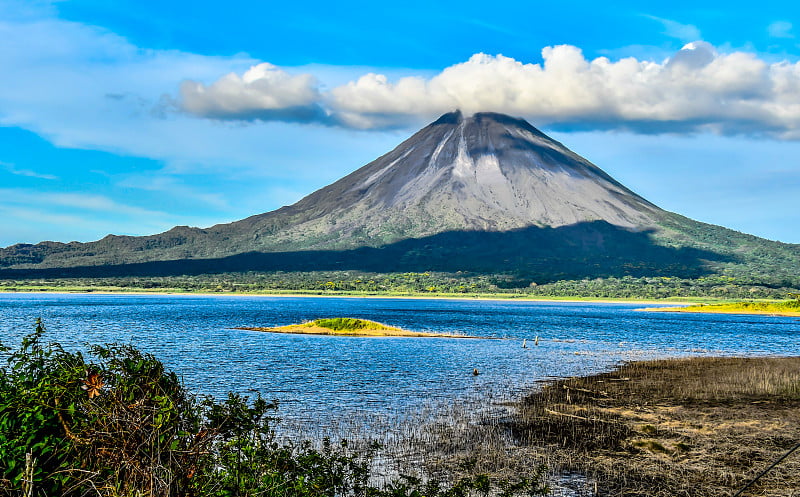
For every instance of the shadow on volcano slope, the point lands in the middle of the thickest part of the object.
(585, 250)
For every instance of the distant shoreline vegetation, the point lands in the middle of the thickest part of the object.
(433, 284)
(785, 308)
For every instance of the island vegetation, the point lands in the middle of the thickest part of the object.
(350, 327)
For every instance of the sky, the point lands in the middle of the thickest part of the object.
(131, 117)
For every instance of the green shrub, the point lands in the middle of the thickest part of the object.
(70, 427)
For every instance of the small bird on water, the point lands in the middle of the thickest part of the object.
(475, 372)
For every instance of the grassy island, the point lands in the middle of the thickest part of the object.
(785, 308)
(351, 327)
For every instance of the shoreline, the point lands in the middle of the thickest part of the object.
(675, 305)
(487, 297)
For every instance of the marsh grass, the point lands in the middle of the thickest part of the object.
(699, 427)
(444, 442)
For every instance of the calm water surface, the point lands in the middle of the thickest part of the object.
(318, 377)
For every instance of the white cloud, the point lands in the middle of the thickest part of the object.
(696, 89)
(110, 95)
(169, 185)
(263, 91)
(780, 29)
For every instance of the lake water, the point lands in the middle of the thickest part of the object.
(319, 377)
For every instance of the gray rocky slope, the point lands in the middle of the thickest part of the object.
(463, 191)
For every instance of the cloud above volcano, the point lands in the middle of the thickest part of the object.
(696, 89)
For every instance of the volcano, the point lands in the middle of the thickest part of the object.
(488, 172)
(485, 193)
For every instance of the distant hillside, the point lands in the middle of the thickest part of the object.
(480, 194)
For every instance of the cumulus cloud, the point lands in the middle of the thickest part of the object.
(262, 92)
(697, 89)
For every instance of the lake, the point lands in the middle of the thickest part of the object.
(329, 378)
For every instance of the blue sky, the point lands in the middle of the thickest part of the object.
(132, 117)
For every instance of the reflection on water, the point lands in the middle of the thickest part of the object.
(333, 378)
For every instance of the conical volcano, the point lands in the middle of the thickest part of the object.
(486, 193)
(488, 172)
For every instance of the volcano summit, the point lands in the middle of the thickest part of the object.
(483, 194)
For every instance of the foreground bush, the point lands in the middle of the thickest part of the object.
(125, 426)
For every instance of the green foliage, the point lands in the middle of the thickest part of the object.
(123, 425)
(348, 324)
(776, 307)
(466, 284)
